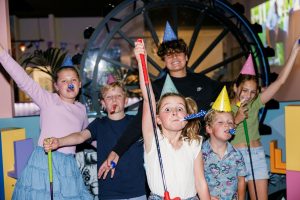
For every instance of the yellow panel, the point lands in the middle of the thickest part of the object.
(292, 129)
(8, 136)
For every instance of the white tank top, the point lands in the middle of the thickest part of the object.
(178, 168)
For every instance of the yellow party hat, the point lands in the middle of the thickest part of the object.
(222, 103)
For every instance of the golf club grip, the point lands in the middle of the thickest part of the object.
(50, 166)
(144, 67)
(145, 71)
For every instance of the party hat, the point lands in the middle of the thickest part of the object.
(67, 61)
(248, 68)
(168, 86)
(110, 79)
(222, 103)
(169, 34)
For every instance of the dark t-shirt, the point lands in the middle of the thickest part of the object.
(197, 86)
(129, 179)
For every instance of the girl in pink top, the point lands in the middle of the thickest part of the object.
(60, 114)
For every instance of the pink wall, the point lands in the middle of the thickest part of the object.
(6, 91)
(292, 184)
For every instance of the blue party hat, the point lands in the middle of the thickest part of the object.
(169, 34)
(168, 86)
(67, 61)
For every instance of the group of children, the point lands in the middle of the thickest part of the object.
(186, 167)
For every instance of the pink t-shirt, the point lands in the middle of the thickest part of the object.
(57, 118)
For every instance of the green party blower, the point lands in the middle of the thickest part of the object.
(50, 173)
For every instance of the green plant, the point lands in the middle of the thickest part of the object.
(46, 61)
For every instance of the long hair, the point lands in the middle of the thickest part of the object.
(191, 131)
(242, 78)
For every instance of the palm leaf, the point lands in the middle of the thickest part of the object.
(42, 60)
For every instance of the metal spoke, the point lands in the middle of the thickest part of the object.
(198, 14)
(223, 63)
(196, 32)
(209, 49)
(126, 38)
(151, 28)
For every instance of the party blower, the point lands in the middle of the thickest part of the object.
(249, 151)
(146, 78)
(50, 173)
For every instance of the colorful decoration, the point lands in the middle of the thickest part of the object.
(111, 79)
(67, 62)
(168, 86)
(113, 165)
(202, 113)
(71, 86)
(222, 102)
(169, 34)
(248, 68)
(232, 131)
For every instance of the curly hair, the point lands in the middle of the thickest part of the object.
(191, 130)
(177, 46)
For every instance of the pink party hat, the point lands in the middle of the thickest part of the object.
(248, 68)
(110, 79)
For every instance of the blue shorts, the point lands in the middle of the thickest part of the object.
(144, 197)
(259, 163)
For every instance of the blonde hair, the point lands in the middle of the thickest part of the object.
(191, 130)
(117, 84)
(211, 116)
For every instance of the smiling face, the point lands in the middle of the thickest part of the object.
(170, 111)
(174, 54)
(246, 91)
(65, 77)
(219, 125)
(176, 62)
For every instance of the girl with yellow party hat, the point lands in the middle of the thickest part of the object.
(224, 167)
(246, 103)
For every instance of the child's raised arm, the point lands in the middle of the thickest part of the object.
(22, 79)
(147, 126)
(270, 91)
